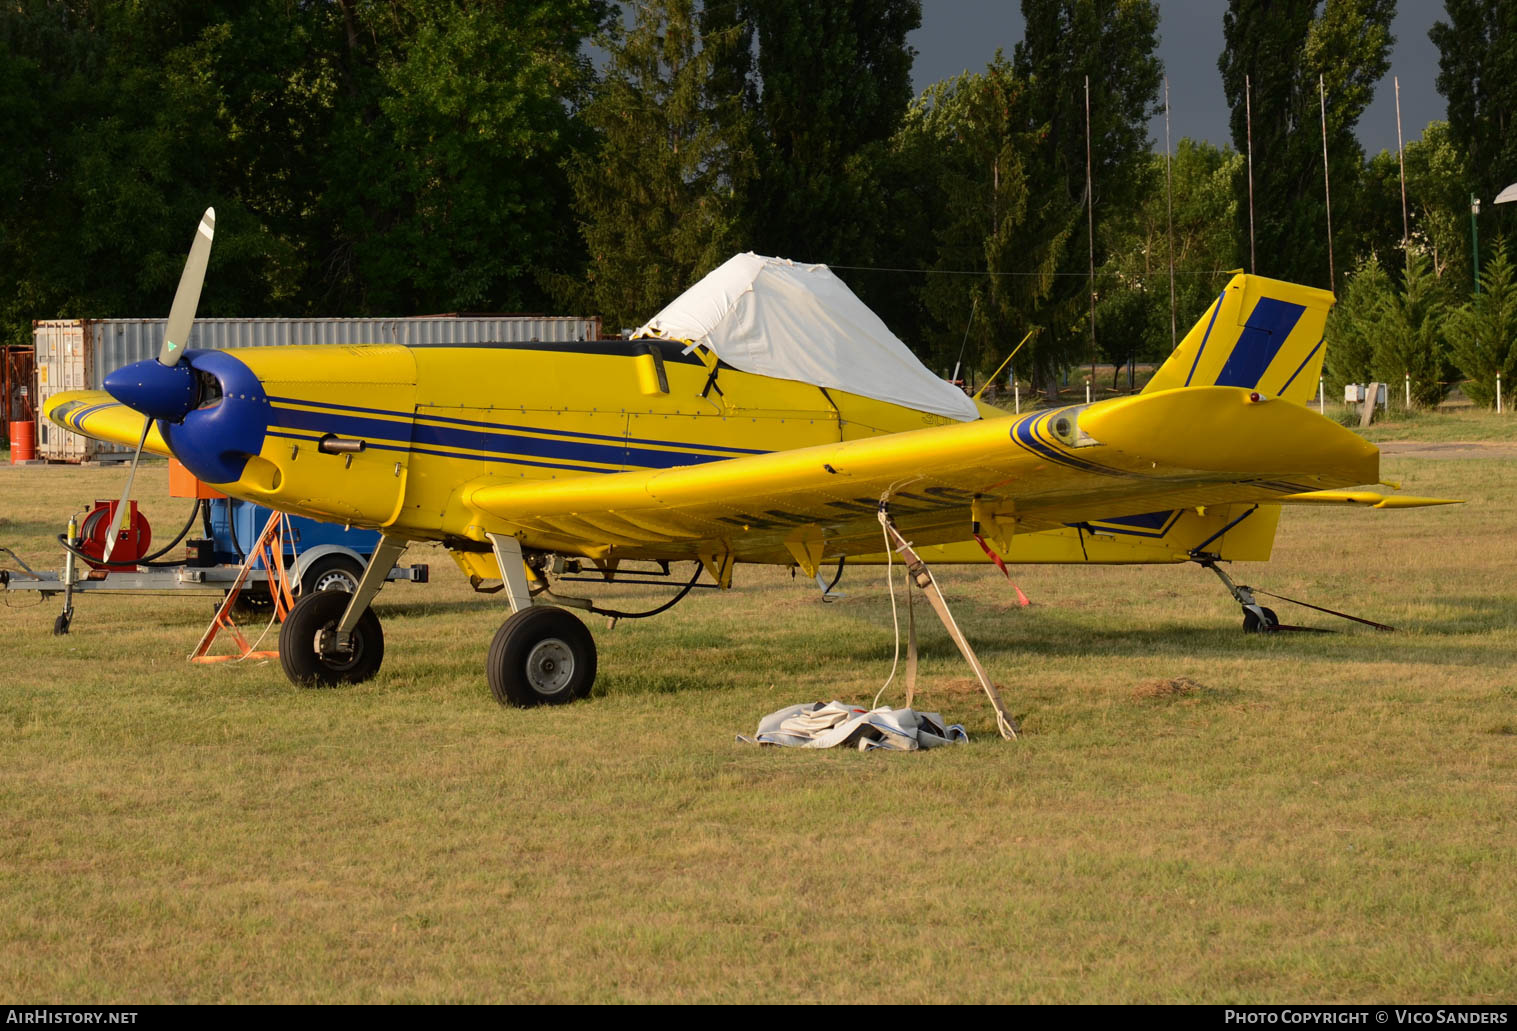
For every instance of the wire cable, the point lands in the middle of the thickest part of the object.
(182, 534)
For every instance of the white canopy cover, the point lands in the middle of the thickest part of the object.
(775, 317)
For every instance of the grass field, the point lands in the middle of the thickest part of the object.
(1324, 818)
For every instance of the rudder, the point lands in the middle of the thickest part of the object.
(1262, 334)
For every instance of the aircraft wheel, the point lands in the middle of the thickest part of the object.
(1252, 625)
(541, 656)
(306, 666)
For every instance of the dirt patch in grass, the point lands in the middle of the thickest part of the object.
(1452, 449)
(956, 686)
(1164, 689)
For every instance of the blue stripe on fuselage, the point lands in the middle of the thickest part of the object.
(481, 443)
(510, 428)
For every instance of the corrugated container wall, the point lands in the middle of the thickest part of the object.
(77, 354)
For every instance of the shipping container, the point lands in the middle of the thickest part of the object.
(77, 354)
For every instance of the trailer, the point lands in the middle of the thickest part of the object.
(319, 556)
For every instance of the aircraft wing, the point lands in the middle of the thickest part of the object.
(1167, 450)
(95, 413)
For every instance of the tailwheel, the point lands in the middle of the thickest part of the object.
(541, 656)
(315, 617)
(1252, 624)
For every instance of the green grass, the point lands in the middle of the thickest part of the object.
(1442, 426)
(1327, 818)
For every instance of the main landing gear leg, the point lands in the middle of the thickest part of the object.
(541, 655)
(332, 637)
(1256, 618)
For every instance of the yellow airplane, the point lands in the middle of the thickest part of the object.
(766, 416)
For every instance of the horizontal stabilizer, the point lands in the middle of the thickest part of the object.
(1364, 497)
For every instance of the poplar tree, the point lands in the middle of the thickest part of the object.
(1477, 75)
(830, 86)
(1280, 48)
(661, 203)
(1113, 43)
(971, 136)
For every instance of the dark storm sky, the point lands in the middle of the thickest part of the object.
(962, 35)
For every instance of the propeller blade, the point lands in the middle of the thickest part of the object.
(187, 297)
(110, 538)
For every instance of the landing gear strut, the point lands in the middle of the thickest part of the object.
(332, 637)
(1256, 618)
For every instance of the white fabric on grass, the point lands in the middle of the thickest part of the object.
(825, 725)
(776, 317)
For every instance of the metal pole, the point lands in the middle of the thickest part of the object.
(1321, 402)
(1248, 114)
(1327, 193)
(1169, 193)
(1090, 220)
(1401, 157)
(1498, 393)
(1475, 238)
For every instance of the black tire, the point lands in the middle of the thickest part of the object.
(297, 643)
(1251, 624)
(541, 656)
(331, 573)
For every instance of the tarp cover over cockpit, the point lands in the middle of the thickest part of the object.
(776, 317)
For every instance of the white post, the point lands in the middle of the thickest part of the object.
(1321, 403)
(1409, 390)
(1087, 390)
(1016, 390)
(1498, 393)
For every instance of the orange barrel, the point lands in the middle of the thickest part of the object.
(23, 441)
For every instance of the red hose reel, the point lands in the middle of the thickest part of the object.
(132, 541)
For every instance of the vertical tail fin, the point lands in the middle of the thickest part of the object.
(1259, 333)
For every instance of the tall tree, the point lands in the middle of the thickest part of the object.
(1133, 317)
(1281, 47)
(970, 142)
(831, 83)
(443, 183)
(1437, 194)
(362, 158)
(660, 205)
(1113, 42)
(1477, 75)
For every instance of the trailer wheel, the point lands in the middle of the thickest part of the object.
(299, 643)
(541, 656)
(331, 573)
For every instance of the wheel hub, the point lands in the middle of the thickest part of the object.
(333, 657)
(334, 581)
(550, 666)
